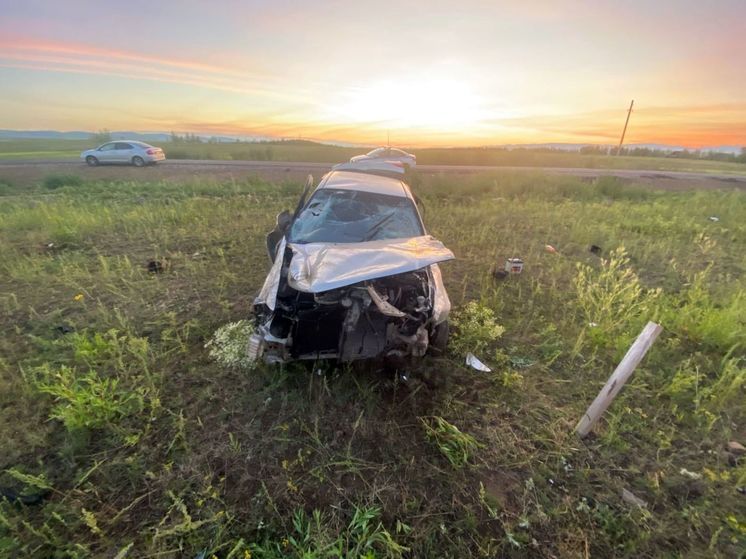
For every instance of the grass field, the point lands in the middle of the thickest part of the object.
(123, 438)
(322, 153)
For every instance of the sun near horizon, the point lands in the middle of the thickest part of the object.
(423, 74)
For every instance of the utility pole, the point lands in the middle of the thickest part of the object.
(626, 122)
(388, 138)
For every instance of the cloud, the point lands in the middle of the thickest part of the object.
(86, 59)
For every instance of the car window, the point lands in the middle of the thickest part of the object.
(376, 152)
(108, 147)
(398, 152)
(122, 145)
(351, 216)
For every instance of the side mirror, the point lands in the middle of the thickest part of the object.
(284, 220)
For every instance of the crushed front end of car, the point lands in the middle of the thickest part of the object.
(352, 301)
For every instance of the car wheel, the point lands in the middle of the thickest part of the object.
(92, 161)
(138, 161)
(439, 339)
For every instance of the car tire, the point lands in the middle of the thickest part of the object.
(138, 161)
(92, 161)
(439, 338)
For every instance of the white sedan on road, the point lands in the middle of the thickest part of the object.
(127, 152)
(387, 154)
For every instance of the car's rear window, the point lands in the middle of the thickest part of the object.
(351, 216)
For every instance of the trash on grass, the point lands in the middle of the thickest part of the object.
(550, 249)
(714, 218)
(690, 475)
(78, 297)
(155, 267)
(595, 249)
(514, 265)
(476, 364)
(734, 447)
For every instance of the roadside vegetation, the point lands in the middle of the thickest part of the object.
(313, 152)
(131, 426)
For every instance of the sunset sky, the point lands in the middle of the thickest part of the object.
(430, 73)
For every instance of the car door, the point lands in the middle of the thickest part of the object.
(124, 152)
(107, 153)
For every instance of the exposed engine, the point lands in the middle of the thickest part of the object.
(389, 317)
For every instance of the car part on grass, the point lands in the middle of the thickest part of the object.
(473, 362)
(354, 276)
(514, 265)
(156, 266)
(595, 249)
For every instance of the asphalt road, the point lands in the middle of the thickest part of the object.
(304, 167)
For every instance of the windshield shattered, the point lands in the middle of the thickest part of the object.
(350, 216)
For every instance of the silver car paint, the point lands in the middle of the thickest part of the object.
(124, 156)
(317, 267)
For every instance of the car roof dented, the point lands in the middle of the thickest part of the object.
(365, 182)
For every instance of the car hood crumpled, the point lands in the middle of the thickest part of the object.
(317, 267)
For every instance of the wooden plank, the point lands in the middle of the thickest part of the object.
(618, 378)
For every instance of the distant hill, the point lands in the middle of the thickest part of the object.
(80, 135)
(165, 137)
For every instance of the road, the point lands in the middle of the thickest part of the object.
(272, 170)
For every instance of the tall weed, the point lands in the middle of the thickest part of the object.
(87, 401)
(612, 300)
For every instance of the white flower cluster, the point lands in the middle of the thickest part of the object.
(229, 345)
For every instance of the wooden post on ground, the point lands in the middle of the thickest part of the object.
(617, 379)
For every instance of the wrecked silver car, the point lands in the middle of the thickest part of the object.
(354, 276)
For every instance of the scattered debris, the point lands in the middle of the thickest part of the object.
(734, 447)
(632, 499)
(499, 273)
(156, 266)
(593, 324)
(476, 364)
(78, 297)
(714, 218)
(550, 249)
(691, 475)
(595, 249)
(514, 265)
(64, 329)
(741, 490)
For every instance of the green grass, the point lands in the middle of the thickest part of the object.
(322, 153)
(132, 441)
